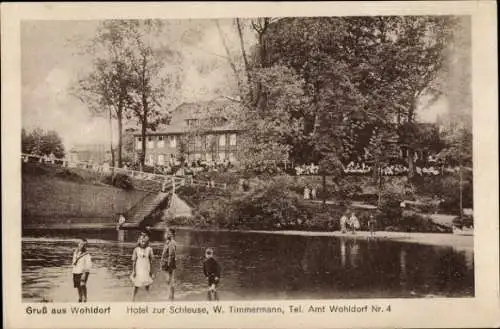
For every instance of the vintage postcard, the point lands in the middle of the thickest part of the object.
(250, 165)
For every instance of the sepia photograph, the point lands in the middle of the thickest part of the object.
(241, 165)
(247, 159)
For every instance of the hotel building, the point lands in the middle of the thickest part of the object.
(197, 131)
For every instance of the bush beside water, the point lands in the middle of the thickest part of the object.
(276, 204)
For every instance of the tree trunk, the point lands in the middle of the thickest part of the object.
(111, 139)
(411, 163)
(120, 136)
(324, 189)
(411, 150)
(315, 123)
(230, 61)
(144, 114)
(243, 52)
(262, 51)
(461, 192)
(142, 158)
(379, 170)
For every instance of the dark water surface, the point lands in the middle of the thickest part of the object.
(254, 266)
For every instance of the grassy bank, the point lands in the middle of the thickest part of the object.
(56, 195)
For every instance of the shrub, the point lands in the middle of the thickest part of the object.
(390, 209)
(267, 205)
(68, 174)
(34, 169)
(119, 180)
(448, 188)
(464, 221)
(122, 181)
(108, 179)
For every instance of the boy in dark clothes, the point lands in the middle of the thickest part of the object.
(211, 269)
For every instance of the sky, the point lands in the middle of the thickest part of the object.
(51, 62)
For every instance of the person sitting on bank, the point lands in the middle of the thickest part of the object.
(211, 270)
(82, 263)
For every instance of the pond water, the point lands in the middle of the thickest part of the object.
(255, 266)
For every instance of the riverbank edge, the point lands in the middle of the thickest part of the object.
(461, 242)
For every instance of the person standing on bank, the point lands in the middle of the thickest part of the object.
(313, 193)
(168, 258)
(82, 264)
(343, 222)
(211, 270)
(142, 260)
(371, 224)
(354, 222)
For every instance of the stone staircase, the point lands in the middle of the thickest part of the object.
(152, 201)
(146, 207)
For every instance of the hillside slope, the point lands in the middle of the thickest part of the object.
(52, 196)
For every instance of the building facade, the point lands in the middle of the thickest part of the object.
(94, 153)
(197, 131)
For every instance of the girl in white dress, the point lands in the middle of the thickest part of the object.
(142, 259)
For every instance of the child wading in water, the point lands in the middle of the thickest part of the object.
(82, 263)
(211, 269)
(142, 259)
(167, 261)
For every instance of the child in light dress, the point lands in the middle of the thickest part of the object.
(142, 259)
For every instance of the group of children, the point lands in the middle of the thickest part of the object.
(352, 222)
(142, 274)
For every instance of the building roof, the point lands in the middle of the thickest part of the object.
(97, 147)
(178, 130)
(201, 110)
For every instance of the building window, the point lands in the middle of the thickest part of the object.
(232, 158)
(161, 159)
(232, 139)
(222, 140)
(151, 143)
(151, 160)
(138, 143)
(192, 122)
(173, 141)
(208, 157)
(222, 156)
(161, 142)
(197, 141)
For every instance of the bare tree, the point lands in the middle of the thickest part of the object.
(106, 89)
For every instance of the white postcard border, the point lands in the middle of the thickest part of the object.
(483, 310)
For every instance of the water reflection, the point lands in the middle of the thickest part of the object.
(402, 267)
(254, 266)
